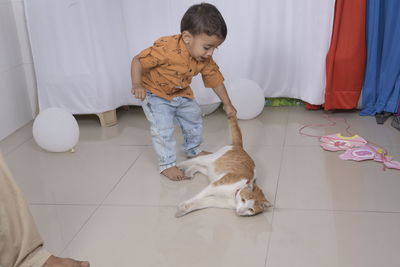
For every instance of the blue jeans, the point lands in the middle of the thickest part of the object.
(162, 114)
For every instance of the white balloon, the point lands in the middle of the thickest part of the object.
(208, 108)
(55, 130)
(247, 97)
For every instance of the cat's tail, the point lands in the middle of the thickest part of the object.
(236, 134)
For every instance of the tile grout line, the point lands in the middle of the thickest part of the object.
(339, 210)
(276, 193)
(173, 206)
(18, 146)
(100, 204)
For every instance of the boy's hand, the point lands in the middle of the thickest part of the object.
(230, 110)
(139, 92)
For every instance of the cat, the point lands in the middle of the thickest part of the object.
(232, 176)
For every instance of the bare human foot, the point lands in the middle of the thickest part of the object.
(202, 153)
(54, 261)
(173, 173)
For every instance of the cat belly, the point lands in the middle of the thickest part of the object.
(229, 190)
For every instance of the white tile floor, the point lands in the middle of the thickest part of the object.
(107, 203)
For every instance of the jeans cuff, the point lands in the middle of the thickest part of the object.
(164, 167)
(193, 152)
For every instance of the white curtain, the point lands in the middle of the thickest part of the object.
(82, 48)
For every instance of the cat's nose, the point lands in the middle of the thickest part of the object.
(241, 211)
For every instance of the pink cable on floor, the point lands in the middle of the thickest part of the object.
(333, 123)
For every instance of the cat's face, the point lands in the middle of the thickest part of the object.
(250, 200)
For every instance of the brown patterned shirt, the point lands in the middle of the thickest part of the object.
(168, 69)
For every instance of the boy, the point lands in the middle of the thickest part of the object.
(162, 73)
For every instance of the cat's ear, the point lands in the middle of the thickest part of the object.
(250, 186)
(253, 182)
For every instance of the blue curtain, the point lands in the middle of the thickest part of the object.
(381, 90)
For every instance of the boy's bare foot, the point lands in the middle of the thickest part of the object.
(202, 153)
(54, 261)
(173, 173)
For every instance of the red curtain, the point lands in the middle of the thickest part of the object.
(345, 62)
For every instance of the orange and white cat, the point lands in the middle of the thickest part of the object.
(231, 172)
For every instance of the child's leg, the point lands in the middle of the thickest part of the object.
(160, 113)
(188, 115)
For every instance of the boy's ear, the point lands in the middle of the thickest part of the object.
(187, 37)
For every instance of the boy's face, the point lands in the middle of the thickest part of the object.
(201, 46)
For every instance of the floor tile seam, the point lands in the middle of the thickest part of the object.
(18, 146)
(279, 175)
(63, 204)
(120, 179)
(286, 127)
(305, 145)
(174, 206)
(263, 145)
(139, 205)
(339, 210)
(276, 191)
(100, 204)
(269, 238)
(80, 229)
(149, 145)
(273, 208)
(84, 143)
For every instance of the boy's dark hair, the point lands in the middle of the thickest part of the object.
(204, 18)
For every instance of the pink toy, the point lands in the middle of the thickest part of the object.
(336, 142)
(370, 152)
(355, 147)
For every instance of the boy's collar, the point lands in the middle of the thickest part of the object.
(183, 48)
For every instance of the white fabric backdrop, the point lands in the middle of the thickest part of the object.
(82, 48)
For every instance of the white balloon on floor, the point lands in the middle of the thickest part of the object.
(247, 97)
(55, 130)
(207, 109)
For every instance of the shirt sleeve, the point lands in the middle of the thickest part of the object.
(211, 75)
(153, 56)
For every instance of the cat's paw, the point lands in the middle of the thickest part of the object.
(179, 213)
(189, 174)
(267, 204)
(183, 164)
(183, 209)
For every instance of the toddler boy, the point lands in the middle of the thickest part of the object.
(161, 77)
